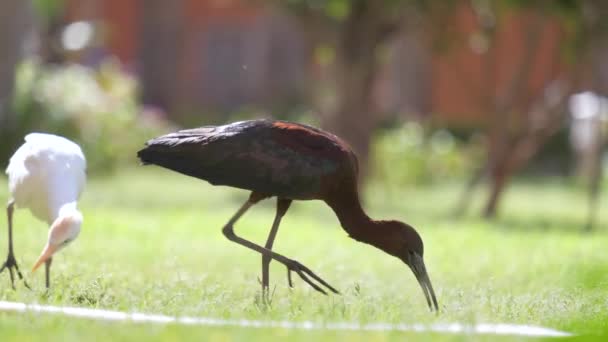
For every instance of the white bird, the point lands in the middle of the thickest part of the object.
(46, 175)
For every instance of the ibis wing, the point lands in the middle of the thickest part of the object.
(45, 172)
(260, 159)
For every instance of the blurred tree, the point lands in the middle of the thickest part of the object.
(16, 26)
(17, 39)
(161, 23)
(595, 31)
(351, 36)
(522, 122)
(51, 21)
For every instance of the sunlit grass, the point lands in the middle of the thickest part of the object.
(152, 242)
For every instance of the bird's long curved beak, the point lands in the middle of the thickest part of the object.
(47, 252)
(417, 266)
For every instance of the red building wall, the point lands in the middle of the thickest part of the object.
(459, 74)
(458, 80)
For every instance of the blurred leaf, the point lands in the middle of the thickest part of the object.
(96, 108)
(324, 54)
(48, 8)
(405, 156)
(338, 9)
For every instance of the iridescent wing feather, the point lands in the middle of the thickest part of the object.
(286, 160)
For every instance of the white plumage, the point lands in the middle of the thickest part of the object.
(47, 175)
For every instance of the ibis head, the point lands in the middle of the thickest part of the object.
(412, 253)
(402, 241)
(64, 230)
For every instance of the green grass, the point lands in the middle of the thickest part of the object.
(152, 242)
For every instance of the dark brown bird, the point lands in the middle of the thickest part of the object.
(292, 162)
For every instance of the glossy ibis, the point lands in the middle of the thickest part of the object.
(291, 162)
(46, 175)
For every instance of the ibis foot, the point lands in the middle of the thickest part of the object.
(304, 273)
(294, 266)
(11, 265)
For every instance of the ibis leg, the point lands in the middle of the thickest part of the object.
(282, 206)
(11, 262)
(47, 273)
(292, 265)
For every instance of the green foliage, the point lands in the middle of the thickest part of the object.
(338, 10)
(572, 16)
(96, 108)
(407, 155)
(48, 8)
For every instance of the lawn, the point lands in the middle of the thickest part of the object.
(152, 242)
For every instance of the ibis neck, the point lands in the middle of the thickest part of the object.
(66, 209)
(351, 215)
(69, 207)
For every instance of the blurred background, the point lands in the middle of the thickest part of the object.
(476, 93)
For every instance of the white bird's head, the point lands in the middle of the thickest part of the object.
(64, 230)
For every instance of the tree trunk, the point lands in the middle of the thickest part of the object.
(521, 149)
(500, 176)
(159, 50)
(500, 157)
(354, 117)
(466, 197)
(595, 181)
(598, 54)
(16, 23)
(17, 40)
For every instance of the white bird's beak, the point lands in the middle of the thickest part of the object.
(47, 252)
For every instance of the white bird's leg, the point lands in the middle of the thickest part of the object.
(47, 268)
(292, 265)
(11, 262)
(282, 206)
